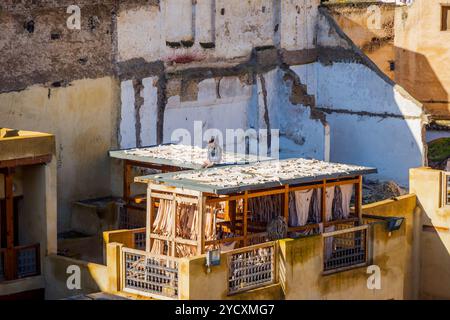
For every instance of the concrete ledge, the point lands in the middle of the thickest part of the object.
(21, 285)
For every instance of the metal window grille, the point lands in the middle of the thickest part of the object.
(251, 268)
(27, 261)
(150, 275)
(139, 240)
(345, 249)
(446, 189)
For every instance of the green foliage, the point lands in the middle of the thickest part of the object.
(439, 150)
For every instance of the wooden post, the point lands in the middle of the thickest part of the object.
(149, 220)
(286, 205)
(174, 225)
(10, 263)
(358, 198)
(201, 224)
(324, 202)
(232, 214)
(126, 181)
(245, 222)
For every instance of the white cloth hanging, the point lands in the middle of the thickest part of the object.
(299, 216)
(329, 203)
(347, 192)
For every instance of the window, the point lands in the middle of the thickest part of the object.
(445, 189)
(445, 20)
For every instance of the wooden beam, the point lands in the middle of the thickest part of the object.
(245, 218)
(358, 198)
(26, 161)
(162, 167)
(201, 224)
(286, 204)
(174, 225)
(324, 202)
(149, 221)
(126, 181)
(10, 265)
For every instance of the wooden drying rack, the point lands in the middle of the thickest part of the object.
(157, 192)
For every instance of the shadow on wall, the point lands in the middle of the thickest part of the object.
(415, 74)
(377, 44)
(373, 121)
(409, 69)
(434, 229)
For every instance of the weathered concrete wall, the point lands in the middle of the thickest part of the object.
(303, 263)
(93, 277)
(410, 37)
(371, 118)
(83, 118)
(140, 69)
(434, 227)
(422, 53)
(371, 27)
(38, 48)
(407, 207)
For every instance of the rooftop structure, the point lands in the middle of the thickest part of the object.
(269, 174)
(189, 157)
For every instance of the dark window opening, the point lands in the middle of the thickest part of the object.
(445, 14)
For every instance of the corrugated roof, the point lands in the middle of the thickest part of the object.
(266, 174)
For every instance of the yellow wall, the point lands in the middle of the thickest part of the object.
(435, 234)
(423, 54)
(83, 118)
(301, 264)
(404, 206)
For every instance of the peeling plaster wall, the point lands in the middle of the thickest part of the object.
(234, 103)
(372, 33)
(82, 117)
(301, 134)
(180, 32)
(373, 121)
(219, 104)
(249, 65)
(138, 33)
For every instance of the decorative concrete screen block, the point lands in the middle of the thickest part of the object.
(127, 114)
(205, 22)
(178, 21)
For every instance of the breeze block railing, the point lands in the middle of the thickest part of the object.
(251, 267)
(147, 274)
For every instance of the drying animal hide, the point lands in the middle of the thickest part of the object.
(338, 212)
(186, 228)
(265, 209)
(315, 207)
